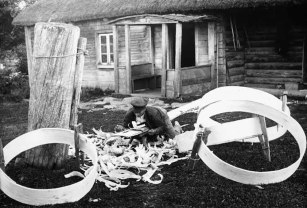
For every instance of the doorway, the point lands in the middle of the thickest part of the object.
(188, 45)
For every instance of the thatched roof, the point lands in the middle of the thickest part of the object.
(79, 10)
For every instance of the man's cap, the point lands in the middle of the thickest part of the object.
(139, 102)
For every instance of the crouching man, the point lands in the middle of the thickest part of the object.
(154, 118)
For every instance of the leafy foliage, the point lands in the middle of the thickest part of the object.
(10, 35)
(14, 86)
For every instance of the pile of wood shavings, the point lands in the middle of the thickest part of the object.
(116, 159)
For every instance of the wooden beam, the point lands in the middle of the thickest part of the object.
(217, 61)
(78, 81)
(29, 49)
(284, 104)
(152, 48)
(304, 76)
(78, 129)
(2, 162)
(178, 52)
(170, 51)
(284, 101)
(197, 30)
(128, 59)
(115, 52)
(164, 59)
(211, 49)
(264, 140)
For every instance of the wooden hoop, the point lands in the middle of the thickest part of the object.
(244, 176)
(70, 193)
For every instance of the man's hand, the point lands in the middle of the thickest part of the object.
(152, 132)
(119, 128)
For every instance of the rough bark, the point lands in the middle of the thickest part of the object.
(51, 87)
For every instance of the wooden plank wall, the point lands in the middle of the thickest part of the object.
(196, 80)
(92, 76)
(221, 54)
(201, 44)
(104, 77)
(170, 74)
(158, 48)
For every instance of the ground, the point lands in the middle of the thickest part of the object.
(181, 187)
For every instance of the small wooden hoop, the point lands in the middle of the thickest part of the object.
(70, 193)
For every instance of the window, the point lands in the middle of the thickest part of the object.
(105, 50)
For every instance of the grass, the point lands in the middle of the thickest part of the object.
(180, 187)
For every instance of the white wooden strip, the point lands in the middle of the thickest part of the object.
(70, 193)
(252, 177)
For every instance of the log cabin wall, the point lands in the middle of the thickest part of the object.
(259, 60)
(265, 64)
(220, 54)
(235, 55)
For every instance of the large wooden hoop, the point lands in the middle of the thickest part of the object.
(244, 176)
(234, 93)
(37, 197)
(186, 140)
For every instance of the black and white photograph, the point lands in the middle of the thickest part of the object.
(153, 103)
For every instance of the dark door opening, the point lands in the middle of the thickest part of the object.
(188, 45)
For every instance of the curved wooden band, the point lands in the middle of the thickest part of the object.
(233, 93)
(244, 176)
(70, 193)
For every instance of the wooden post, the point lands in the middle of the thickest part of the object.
(78, 129)
(2, 162)
(164, 59)
(78, 81)
(178, 52)
(128, 59)
(170, 51)
(284, 100)
(53, 75)
(201, 136)
(217, 61)
(233, 34)
(211, 49)
(115, 48)
(197, 31)
(264, 140)
(29, 51)
(152, 49)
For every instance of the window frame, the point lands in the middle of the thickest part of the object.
(109, 41)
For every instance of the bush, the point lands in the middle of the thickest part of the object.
(14, 86)
(21, 53)
(88, 93)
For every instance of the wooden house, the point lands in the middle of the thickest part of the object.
(183, 47)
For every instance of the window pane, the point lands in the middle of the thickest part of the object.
(103, 48)
(112, 58)
(111, 48)
(104, 58)
(103, 39)
(111, 38)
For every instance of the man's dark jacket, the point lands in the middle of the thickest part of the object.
(155, 119)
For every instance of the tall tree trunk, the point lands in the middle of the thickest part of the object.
(51, 87)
